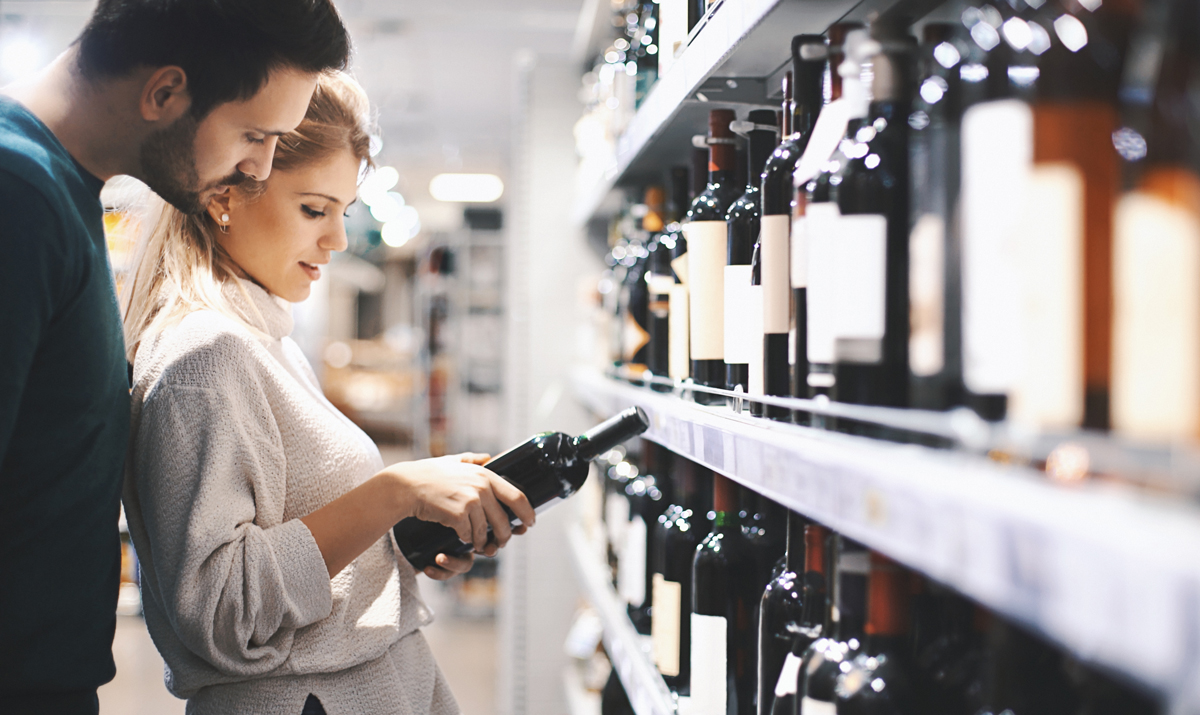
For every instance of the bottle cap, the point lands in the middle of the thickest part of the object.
(611, 432)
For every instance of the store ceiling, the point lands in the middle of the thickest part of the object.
(441, 74)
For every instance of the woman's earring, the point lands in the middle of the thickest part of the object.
(224, 223)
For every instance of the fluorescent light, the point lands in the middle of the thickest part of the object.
(466, 188)
(20, 55)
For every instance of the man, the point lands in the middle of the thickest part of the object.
(190, 97)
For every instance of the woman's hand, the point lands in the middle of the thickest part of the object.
(449, 566)
(459, 492)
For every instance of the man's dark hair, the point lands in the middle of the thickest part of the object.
(227, 47)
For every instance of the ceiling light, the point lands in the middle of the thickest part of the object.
(466, 188)
(20, 56)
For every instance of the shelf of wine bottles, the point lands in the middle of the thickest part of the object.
(1107, 571)
(736, 40)
(626, 649)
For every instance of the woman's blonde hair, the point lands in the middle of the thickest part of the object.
(178, 267)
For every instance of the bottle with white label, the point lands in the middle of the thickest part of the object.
(676, 535)
(706, 232)
(935, 315)
(803, 98)
(742, 222)
(780, 613)
(823, 660)
(1156, 312)
(723, 598)
(819, 170)
(872, 196)
(645, 493)
(662, 280)
(810, 592)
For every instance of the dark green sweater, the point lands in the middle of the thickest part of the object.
(64, 418)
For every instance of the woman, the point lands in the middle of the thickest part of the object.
(262, 515)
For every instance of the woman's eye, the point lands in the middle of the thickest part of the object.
(311, 212)
(256, 140)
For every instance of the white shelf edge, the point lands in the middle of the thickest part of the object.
(721, 34)
(1109, 573)
(647, 691)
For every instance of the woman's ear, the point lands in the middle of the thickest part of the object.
(218, 209)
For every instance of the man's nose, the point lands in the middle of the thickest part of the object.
(257, 164)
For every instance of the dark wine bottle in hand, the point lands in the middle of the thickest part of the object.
(548, 467)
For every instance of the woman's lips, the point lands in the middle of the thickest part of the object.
(313, 271)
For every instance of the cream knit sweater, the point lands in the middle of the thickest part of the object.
(232, 443)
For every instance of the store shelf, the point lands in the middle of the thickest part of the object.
(628, 651)
(746, 41)
(1110, 572)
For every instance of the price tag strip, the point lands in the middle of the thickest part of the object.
(1111, 573)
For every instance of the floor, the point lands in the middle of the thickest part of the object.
(464, 646)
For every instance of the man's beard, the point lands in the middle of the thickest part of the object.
(168, 166)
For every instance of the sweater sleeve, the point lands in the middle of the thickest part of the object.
(208, 466)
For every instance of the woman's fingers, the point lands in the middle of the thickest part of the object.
(513, 498)
(449, 566)
(474, 458)
(479, 528)
(501, 529)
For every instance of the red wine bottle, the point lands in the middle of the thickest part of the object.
(807, 77)
(742, 222)
(782, 606)
(662, 279)
(706, 234)
(873, 200)
(548, 468)
(809, 591)
(823, 660)
(679, 531)
(645, 492)
(723, 604)
(878, 679)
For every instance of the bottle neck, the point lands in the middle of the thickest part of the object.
(762, 143)
(814, 548)
(808, 95)
(796, 555)
(725, 501)
(888, 593)
(722, 158)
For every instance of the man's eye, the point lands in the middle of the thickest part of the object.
(311, 212)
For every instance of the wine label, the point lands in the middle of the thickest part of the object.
(660, 285)
(631, 569)
(756, 384)
(706, 287)
(799, 252)
(666, 603)
(738, 337)
(680, 267)
(997, 157)
(633, 338)
(822, 226)
(1156, 319)
(810, 706)
(1049, 390)
(709, 672)
(788, 676)
(774, 268)
(616, 521)
(926, 291)
(678, 355)
(862, 280)
(827, 134)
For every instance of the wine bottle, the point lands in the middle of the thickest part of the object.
(819, 170)
(1156, 330)
(646, 502)
(935, 331)
(548, 468)
(663, 282)
(782, 606)
(742, 221)
(949, 660)
(754, 320)
(801, 106)
(706, 232)
(723, 601)
(871, 360)
(764, 523)
(613, 698)
(680, 529)
(878, 679)
(809, 627)
(823, 660)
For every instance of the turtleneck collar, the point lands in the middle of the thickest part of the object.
(261, 310)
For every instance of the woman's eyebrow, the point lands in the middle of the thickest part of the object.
(334, 199)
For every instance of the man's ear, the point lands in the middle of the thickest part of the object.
(165, 95)
(218, 208)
